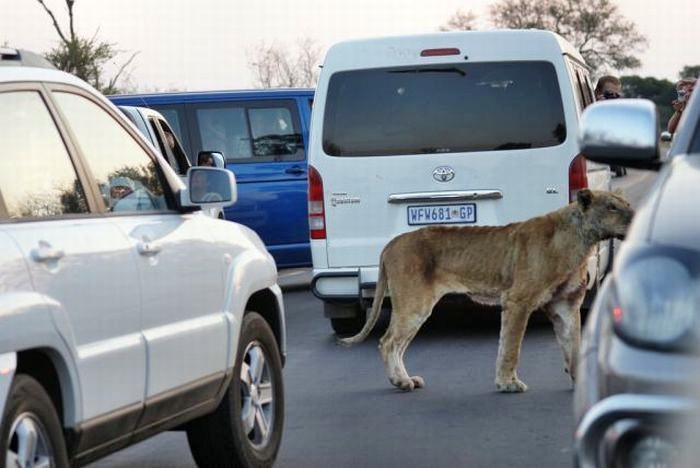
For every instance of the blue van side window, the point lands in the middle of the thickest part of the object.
(224, 129)
(275, 135)
(241, 132)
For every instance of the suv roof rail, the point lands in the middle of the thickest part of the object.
(10, 56)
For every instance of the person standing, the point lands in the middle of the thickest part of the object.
(684, 88)
(608, 87)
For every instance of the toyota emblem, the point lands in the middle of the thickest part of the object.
(443, 173)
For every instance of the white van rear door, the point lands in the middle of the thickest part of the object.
(456, 143)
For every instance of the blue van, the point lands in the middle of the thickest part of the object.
(263, 135)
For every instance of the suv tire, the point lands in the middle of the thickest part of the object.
(232, 435)
(32, 433)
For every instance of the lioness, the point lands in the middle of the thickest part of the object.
(536, 264)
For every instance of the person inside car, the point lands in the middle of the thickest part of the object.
(128, 195)
(120, 187)
(205, 159)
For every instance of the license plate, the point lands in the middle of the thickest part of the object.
(442, 214)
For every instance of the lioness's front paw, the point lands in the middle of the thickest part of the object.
(514, 385)
(408, 385)
(418, 381)
(572, 375)
(405, 385)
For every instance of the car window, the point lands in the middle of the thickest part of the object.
(583, 93)
(37, 177)
(224, 130)
(274, 135)
(173, 117)
(251, 132)
(169, 146)
(176, 119)
(124, 173)
(443, 109)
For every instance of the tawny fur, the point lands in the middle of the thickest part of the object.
(535, 264)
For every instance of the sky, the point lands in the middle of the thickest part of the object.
(207, 44)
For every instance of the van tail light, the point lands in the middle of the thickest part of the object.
(317, 214)
(578, 178)
(439, 52)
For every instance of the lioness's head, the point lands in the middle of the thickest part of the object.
(606, 214)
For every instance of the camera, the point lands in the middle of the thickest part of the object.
(611, 95)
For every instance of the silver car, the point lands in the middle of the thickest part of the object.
(638, 368)
(124, 311)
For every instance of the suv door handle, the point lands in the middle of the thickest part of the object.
(46, 253)
(296, 170)
(148, 249)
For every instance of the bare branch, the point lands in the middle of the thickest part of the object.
(69, 5)
(55, 23)
(113, 81)
(274, 66)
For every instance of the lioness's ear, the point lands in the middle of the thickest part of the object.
(584, 198)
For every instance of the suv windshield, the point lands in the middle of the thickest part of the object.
(443, 109)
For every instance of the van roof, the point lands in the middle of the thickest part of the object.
(473, 46)
(203, 96)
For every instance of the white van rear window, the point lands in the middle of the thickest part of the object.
(443, 108)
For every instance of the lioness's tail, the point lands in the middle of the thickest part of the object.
(379, 292)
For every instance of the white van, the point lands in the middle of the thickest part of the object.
(469, 128)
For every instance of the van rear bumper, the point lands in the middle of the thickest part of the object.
(345, 284)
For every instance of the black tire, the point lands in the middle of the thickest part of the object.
(226, 437)
(30, 419)
(619, 171)
(346, 319)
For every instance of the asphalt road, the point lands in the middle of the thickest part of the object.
(341, 410)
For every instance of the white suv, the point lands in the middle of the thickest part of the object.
(124, 311)
(475, 127)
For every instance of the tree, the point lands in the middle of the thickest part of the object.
(662, 92)
(84, 57)
(605, 39)
(460, 21)
(690, 71)
(273, 66)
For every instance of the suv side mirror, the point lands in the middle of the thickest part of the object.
(209, 187)
(621, 132)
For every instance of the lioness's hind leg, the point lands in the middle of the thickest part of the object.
(403, 327)
(565, 316)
